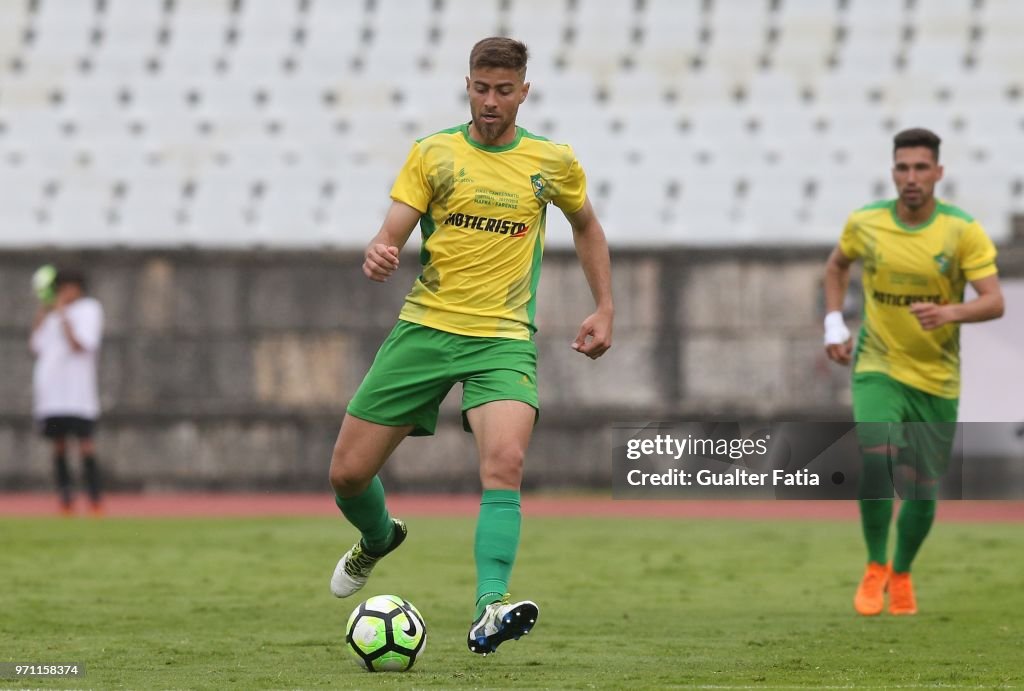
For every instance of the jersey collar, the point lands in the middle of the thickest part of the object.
(492, 149)
(909, 228)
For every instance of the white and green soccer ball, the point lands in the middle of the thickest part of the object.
(386, 634)
(42, 283)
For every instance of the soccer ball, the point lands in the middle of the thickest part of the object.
(42, 283)
(386, 634)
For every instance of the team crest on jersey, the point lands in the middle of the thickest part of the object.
(539, 183)
(942, 261)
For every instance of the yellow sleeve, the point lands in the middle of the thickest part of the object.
(572, 191)
(412, 186)
(977, 253)
(849, 241)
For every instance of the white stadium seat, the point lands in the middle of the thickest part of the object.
(333, 33)
(738, 38)
(602, 36)
(384, 59)
(941, 37)
(62, 38)
(541, 25)
(13, 22)
(671, 29)
(197, 30)
(873, 37)
(465, 22)
(130, 30)
(807, 31)
(23, 194)
(150, 214)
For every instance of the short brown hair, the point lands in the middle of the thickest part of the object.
(500, 52)
(917, 136)
(69, 275)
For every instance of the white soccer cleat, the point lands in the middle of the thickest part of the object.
(501, 621)
(355, 565)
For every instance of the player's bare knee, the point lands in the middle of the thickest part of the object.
(503, 468)
(347, 476)
(348, 482)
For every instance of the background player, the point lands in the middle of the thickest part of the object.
(918, 254)
(66, 340)
(479, 192)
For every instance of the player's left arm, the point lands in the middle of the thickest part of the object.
(988, 305)
(595, 334)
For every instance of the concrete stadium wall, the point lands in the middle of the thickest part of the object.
(232, 370)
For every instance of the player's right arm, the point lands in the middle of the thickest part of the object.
(838, 343)
(381, 257)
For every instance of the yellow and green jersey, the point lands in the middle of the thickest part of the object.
(483, 227)
(931, 262)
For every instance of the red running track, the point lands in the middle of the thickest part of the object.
(252, 505)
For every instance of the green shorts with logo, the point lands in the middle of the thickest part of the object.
(417, 366)
(890, 413)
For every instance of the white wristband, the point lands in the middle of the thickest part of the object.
(836, 332)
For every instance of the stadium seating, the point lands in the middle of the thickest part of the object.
(247, 123)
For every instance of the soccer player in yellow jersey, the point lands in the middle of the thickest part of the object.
(479, 193)
(918, 254)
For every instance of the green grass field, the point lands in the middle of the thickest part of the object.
(214, 604)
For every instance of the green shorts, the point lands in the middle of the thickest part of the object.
(922, 426)
(417, 366)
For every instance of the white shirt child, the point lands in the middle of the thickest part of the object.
(64, 381)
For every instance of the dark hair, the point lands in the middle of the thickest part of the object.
(501, 52)
(917, 136)
(69, 275)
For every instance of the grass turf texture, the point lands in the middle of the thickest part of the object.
(213, 604)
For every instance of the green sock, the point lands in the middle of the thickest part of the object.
(876, 504)
(497, 538)
(916, 518)
(875, 516)
(369, 514)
